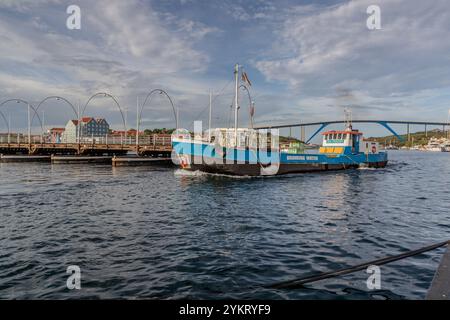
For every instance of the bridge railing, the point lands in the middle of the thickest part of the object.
(147, 140)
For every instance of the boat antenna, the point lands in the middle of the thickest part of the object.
(236, 102)
(348, 118)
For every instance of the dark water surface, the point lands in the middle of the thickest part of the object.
(159, 233)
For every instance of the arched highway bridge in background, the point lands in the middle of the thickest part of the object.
(384, 123)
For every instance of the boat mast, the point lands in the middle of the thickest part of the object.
(210, 110)
(236, 102)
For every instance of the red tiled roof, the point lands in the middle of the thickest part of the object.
(87, 119)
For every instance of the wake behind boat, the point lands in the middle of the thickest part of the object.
(246, 151)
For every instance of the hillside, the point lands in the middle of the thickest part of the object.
(417, 138)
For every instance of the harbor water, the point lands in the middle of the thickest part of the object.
(155, 232)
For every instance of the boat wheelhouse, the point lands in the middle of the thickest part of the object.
(348, 141)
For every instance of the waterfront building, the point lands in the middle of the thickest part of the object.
(88, 127)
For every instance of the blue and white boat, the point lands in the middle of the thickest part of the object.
(250, 152)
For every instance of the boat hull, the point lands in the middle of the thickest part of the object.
(252, 169)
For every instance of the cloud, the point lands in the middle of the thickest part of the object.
(306, 61)
(125, 48)
(324, 51)
(331, 46)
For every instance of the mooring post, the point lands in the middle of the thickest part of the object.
(426, 132)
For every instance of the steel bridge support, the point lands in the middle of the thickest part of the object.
(384, 124)
(317, 131)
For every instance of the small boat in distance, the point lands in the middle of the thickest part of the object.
(446, 145)
(391, 147)
(250, 152)
(434, 145)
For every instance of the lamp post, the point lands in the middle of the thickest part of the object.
(6, 122)
(29, 124)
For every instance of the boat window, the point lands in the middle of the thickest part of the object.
(340, 136)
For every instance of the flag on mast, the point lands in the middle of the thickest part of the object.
(246, 79)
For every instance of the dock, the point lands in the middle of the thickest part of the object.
(140, 161)
(24, 158)
(124, 161)
(81, 159)
(440, 287)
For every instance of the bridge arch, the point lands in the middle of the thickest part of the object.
(162, 92)
(57, 98)
(104, 94)
(18, 100)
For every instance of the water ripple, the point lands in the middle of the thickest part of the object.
(142, 233)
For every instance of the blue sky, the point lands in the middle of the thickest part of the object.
(307, 59)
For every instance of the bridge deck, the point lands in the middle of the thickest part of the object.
(307, 124)
(83, 148)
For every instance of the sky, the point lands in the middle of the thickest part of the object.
(307, 60)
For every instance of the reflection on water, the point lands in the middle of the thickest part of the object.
(164, 233)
